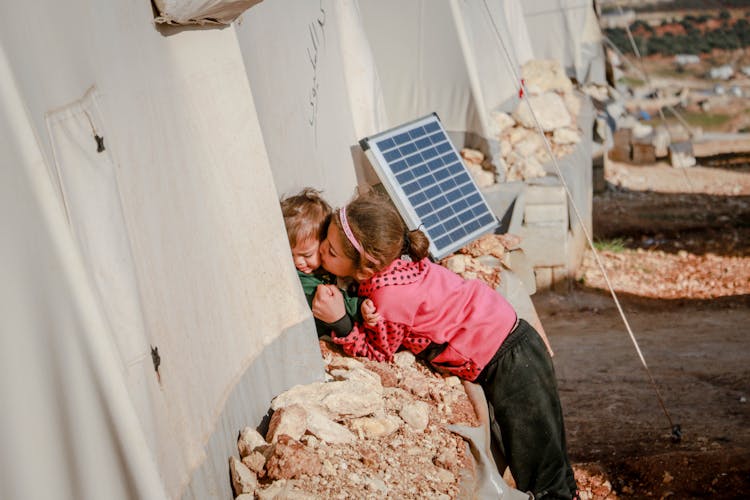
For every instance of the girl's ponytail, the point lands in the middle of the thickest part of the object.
(416, 244)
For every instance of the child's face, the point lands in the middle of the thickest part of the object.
(306, 255)
(332, 254)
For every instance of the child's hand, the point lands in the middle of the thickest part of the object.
(328, 304)
(370, 314)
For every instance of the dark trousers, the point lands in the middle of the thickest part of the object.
(521, 390)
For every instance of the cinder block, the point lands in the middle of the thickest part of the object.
(547, 213)
(543, 278)
(545, 244)
(560, 279)
(540, 194)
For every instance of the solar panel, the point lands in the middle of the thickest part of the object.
(429, 184)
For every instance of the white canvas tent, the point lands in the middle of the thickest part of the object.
(568, 32)
(316, 90)
(159, 242)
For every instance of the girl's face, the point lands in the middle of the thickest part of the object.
(332, 254)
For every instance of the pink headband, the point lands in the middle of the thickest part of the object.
(350, 236)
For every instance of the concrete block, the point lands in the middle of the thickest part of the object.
(546, 193)
(545, 244)
(577, 246)
(507, 203)
(548, 212)
(560, 279)
(543, 278)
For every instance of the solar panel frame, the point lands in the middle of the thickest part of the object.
(429, 183)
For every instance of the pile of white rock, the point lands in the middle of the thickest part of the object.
(484, 258)
(550, 105)
(371, 430)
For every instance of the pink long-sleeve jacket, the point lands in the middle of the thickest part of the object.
(423, 304)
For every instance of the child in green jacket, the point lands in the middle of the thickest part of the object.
(306, 217)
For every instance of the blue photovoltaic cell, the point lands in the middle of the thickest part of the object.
(430, 185)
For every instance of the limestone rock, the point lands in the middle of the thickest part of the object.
(500, 121)
(327, 430)
(360, 373)
(388, 376)
(416, 415)
(243, 479)
(290, 458)
(482, 177)
(566, 135)
(282, 490)
(544, 75)
(549, 110)
(529, 145)
(510, 241)
(456, 263)
(255, 461)
(416, 385)
(375, 427)
(404, 359)
(472, 155)
(488, 244)
(344, 363)
(249, 440)
(354, 398)
(290, 420)
(519, 134)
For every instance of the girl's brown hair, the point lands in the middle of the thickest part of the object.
(306, 216)
(378, 227)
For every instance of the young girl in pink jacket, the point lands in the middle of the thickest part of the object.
(461, 327)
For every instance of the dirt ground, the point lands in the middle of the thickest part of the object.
(676, 246)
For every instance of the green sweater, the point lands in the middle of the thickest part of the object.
(352, 305)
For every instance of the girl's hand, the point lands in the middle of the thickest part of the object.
(370, 314)
(328, 304)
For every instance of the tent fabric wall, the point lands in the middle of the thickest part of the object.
(571, 36)
(316, 93)
(420, 61)
(67, 421)
(495, 46)
(185, 184)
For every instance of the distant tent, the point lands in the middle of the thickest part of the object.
(141, 214)
(571, 36)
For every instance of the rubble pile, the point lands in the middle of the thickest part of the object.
(371, 430)
(553, 106)
(480, 258)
